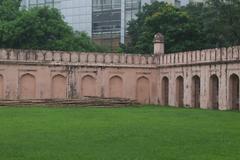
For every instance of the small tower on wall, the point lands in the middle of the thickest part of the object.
(158, 44)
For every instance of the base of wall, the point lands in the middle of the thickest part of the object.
(84, 101)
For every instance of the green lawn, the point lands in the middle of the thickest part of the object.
(145, 133)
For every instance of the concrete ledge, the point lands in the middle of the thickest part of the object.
(84, 101)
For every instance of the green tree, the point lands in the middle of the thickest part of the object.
(218, 22)
(9, 9)
(222, 22)
(179, 29)
(196, 26)
(39, 28)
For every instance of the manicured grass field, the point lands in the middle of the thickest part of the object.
(145, 133)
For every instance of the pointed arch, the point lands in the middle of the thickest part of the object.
(88, 87)
(1, 87)
(165, 91)
(179, 91)
(196, 87)
(214, 92)
(143, 90)
(116, 87)
(234, 92)
(59, 86)
(27, 89)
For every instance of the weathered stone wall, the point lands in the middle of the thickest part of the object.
(206, 79)
(44, 75)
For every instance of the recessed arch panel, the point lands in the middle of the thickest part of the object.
(59, 87)
(27, 86)
(88, 87)
(214, 92)
(143, 90)
(116, 87)
(196, 87)
(165, 91)
(179, 91)
(234, 92)
(1, 87)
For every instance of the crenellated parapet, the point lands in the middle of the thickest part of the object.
(208, 56)
(77, 58)
(199, 79)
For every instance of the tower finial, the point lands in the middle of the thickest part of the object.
(158, 44)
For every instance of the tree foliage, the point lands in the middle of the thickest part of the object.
(9, 9)
(222, 21)
(196, 26)
(218, 22)
(39, 28)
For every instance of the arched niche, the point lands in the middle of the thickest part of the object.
(116, 87)
(1, 87)
(143, 90)
(88, 86)
(27, 86)
(179, 91)
(165, 91)
(214, 92)
(196, 87)
(234, 92)
(59, 87)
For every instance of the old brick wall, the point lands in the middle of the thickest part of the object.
(192, 79)
(46, 75)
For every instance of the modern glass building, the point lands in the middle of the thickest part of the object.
(36, 3)
(77, 13)
(110, 19)
(103, 20)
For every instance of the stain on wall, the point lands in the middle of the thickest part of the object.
(220, 91)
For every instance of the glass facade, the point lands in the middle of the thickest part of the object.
(131, 8)
(78, 14)
(106, 21)
(36, 3)
(110, 20)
